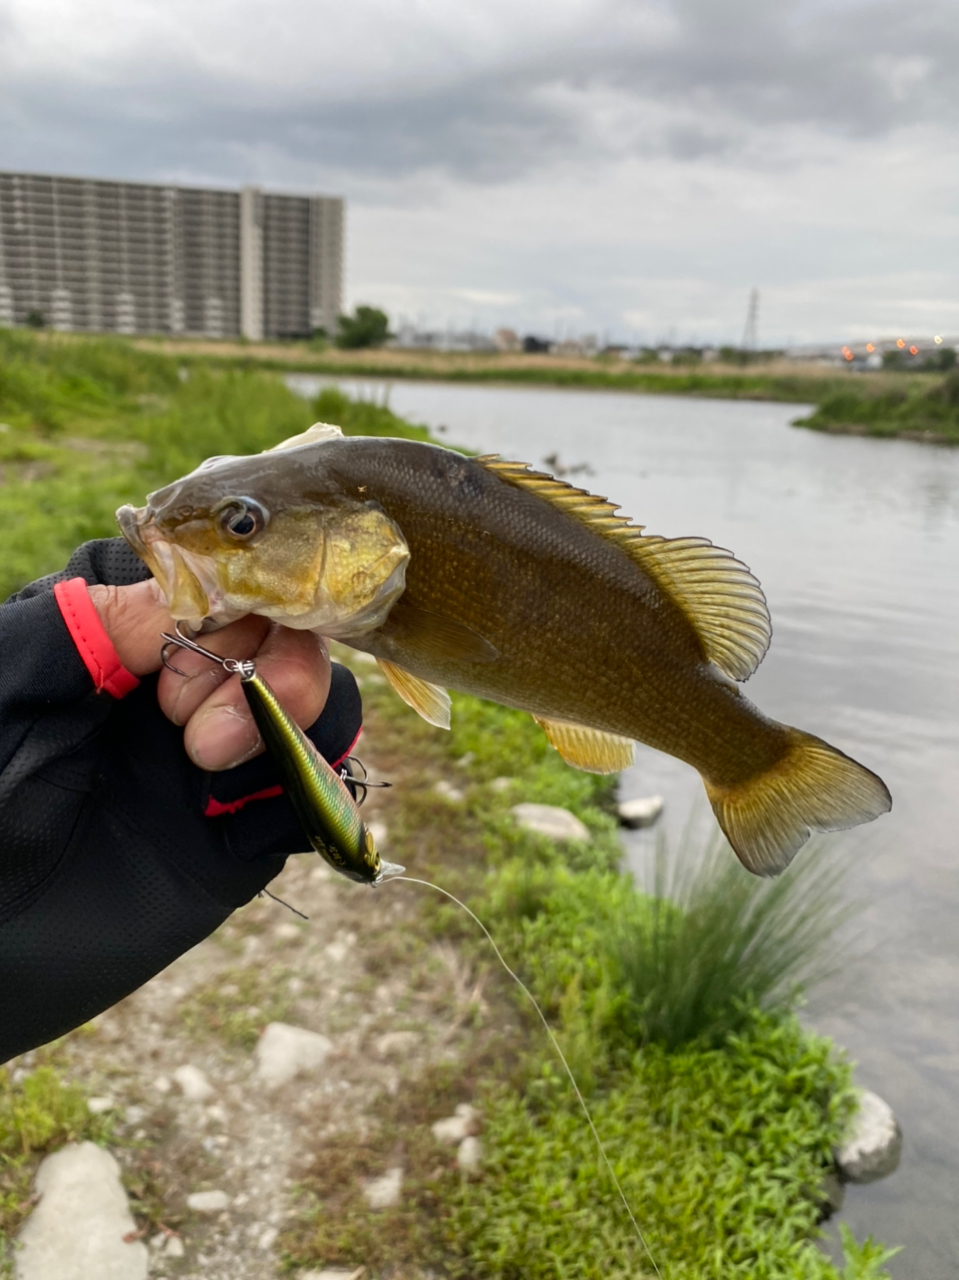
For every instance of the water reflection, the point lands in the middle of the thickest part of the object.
(856, 543)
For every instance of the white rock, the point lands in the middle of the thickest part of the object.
(396, 1043)
(447, 791)
(329, 1273)
(873, 1143)
(454, 1129)
(174, 1248)
(549, 820)
(282, 1052)
(193, 1082)
(287, 931)
(208, 1201)
(469, 1154)
(76, 1231)
(97, 1106)
(135, 1115)
(502, 784)
(267, 1238)
(639, 813)
(163, 1084)
(337, 951)
(384, 1193)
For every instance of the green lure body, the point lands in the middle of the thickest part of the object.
(321, 800)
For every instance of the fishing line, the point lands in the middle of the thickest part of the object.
(295, 910)
(562, 1057)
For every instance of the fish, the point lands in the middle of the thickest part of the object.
(324, 807)
(483, 575)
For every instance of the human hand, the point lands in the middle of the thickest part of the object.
(219, 732)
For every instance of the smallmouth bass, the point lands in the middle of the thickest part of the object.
(482, 575)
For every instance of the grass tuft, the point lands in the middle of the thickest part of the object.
(38, 1114)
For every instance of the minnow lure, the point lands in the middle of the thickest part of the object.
(326, 811)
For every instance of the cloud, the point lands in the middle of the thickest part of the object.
(543, 162)
(486, 91)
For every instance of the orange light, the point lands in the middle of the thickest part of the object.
(913, 351)
(900, 343)
(870, 347)
(847, 355)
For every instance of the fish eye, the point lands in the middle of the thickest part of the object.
(242, 519)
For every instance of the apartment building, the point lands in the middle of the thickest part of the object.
(136, 257)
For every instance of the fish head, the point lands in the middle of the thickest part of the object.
(254, 535)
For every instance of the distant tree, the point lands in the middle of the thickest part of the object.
(944, 359)
(367, 327)
(734, 355)
(536, 345)
(36, 320)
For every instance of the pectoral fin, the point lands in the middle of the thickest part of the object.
(588, 749)
(427, 700)
(434, 637)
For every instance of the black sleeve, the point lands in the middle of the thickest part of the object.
(109, 866)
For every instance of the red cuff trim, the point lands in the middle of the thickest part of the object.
(335, 764)
(93, 644)
(214, 808)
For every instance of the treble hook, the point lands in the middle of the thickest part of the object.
(361, 784)
(244, 667)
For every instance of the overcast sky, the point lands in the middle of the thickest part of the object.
(561, 166)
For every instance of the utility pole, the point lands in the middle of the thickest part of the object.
(751, 331)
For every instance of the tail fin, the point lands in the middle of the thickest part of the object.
(767, 820)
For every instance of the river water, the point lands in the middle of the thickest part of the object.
(856, 543)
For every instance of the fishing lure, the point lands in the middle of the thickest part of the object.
(326, 810)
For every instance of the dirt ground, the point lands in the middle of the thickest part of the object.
(360, 971)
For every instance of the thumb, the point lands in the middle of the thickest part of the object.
(133, 617)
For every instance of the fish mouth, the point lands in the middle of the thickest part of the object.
(184, 578)
(128, 518)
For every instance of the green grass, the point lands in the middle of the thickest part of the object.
(924, 407)
(719, 1112)
(236, 1005)
(87, 426)
(37, 1115)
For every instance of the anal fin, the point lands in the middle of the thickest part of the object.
(427, 700)
(588, 749)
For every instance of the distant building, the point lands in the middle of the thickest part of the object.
(137, 257)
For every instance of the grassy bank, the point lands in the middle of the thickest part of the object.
(718, 1111)
(86, 426)
(772, 380)
(889, 403)
(913, 408)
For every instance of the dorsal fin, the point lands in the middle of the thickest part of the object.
(312, 435)
(597, 512)
(721, 598)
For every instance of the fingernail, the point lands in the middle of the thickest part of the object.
(222, 738)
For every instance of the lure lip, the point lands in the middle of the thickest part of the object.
(388, 871)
